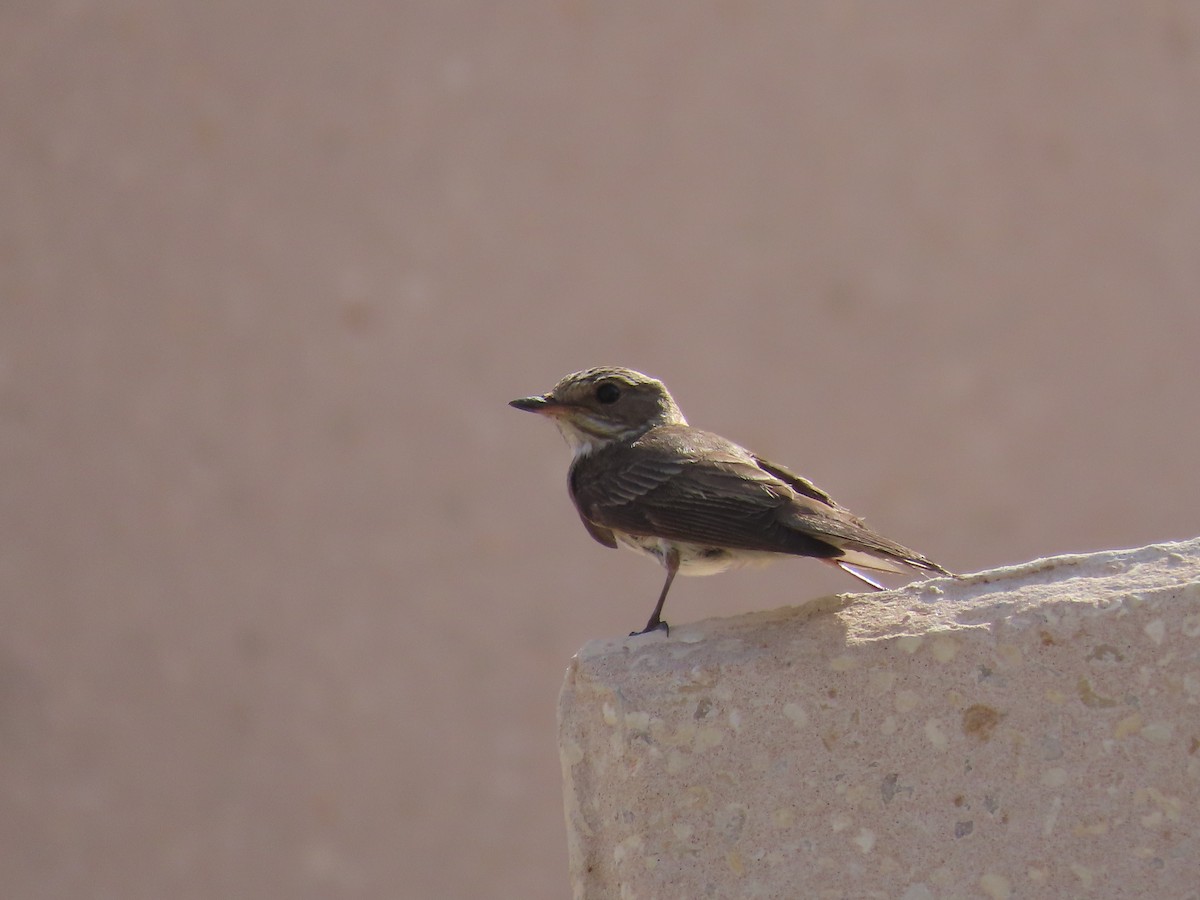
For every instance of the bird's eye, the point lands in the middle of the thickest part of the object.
(608, 392)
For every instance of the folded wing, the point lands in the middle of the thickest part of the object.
(683, 484)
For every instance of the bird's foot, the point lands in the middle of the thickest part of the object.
(653, 625)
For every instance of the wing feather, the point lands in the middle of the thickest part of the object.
(729, 498)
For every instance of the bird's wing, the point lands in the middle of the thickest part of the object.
(686, 485)
(837, 525)
(683, 484)
(799, 484)
(599, 532)
(859, 544)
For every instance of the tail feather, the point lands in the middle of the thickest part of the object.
(866, 559)
(851, 570)
(853, 561)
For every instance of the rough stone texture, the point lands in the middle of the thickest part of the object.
(1028, 731)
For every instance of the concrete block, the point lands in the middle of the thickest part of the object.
(1032, 731)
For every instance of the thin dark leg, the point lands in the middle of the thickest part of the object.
(672, 563)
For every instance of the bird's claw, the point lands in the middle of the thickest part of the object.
(660, 625)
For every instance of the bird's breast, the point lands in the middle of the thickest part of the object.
(695, 559)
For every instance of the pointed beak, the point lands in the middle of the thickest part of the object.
(534, 404)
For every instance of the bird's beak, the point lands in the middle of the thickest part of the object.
(535, 404)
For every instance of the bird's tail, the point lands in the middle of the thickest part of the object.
(853, 561)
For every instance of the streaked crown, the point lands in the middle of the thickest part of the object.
(608, 403)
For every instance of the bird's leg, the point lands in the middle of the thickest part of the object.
(671, 561)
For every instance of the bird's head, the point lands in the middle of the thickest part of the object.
(598, 406)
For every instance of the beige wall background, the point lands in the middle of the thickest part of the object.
(287, 591)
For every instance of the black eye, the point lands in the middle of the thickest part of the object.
(608, 392)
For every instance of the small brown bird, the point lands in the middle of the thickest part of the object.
(696, 502)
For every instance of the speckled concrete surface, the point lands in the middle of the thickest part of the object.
(1028, 731)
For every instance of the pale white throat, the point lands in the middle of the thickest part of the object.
(592, 436)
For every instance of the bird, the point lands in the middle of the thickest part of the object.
(643, 478)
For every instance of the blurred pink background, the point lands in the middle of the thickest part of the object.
(287, 589)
